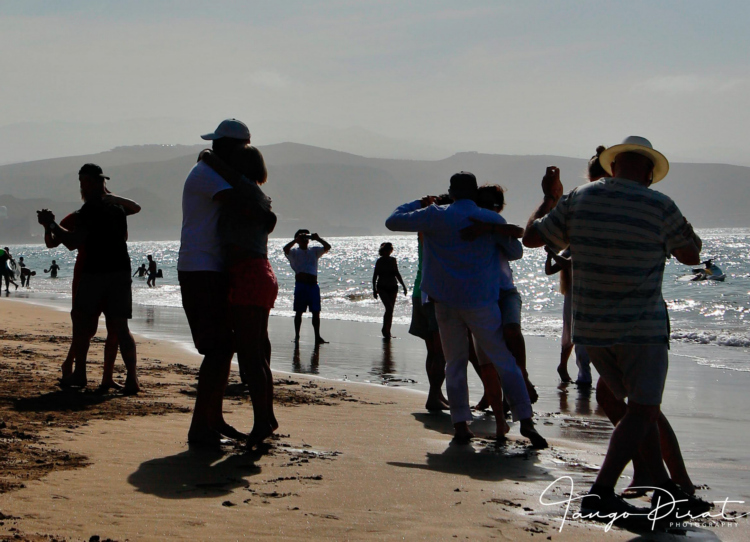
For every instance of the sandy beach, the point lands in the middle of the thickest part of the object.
(351, 461)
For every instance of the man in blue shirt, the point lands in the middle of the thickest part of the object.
(461, 278)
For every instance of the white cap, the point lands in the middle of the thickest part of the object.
(231, 128)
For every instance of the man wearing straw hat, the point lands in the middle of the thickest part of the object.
(620, 233)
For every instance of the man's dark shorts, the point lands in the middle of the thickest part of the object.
(109, 293)
(306, 296)
(423, 321)
(205, 298)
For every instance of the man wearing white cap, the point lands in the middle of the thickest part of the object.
(204, 284)
(620, 233)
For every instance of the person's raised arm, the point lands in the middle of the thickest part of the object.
(553, 191)
(289, 246)
(414, 216)
(319, 239)
(689, 254)
(71, 239)
(50, 241)
(220, 166)
(129, 206)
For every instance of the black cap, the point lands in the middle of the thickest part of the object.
(92, 170)
(464, 184)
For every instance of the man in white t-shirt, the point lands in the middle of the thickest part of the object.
(304, 262)
(204, 284)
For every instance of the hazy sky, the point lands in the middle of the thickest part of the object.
(503, 77)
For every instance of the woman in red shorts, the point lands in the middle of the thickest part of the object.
(244, 224)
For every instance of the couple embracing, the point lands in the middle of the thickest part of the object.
(228, 286)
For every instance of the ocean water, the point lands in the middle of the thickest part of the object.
(709, 319)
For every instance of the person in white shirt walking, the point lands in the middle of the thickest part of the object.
(304, 262)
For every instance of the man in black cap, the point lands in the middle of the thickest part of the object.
(461, 277)
(105, 284)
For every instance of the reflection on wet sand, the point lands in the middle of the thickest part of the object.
(312, 369)
(581, 421)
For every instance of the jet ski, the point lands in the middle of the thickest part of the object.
(710, 272)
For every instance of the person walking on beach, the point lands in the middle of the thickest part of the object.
(245, 222)
(85, 327)
(6, 261)
(151, 282)
(462, 278)
(204, 283)
(304, 262)
(385, 281)
(613, 226)
(105, 282)
(53, 269)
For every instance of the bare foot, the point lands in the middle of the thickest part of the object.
(463, 434)
(435, 404)
(634, 490)
(321, 340)
(226, 430)
(104, 387)
(528, 431)
(533, 395)
(132, 386)
(257, 436)
(685, 483)
(74, 380)
(563, 372)
(483, 403)
(502, 428)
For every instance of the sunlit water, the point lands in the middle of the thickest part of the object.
(702, 313)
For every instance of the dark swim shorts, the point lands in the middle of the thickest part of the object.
(205, 298)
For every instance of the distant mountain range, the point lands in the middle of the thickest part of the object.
(333, 192)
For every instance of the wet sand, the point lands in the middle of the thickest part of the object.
(351, 461)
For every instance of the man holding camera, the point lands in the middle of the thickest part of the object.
(304, 262)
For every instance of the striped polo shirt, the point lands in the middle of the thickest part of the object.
(620, 234)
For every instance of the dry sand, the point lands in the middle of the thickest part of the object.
(350, 462)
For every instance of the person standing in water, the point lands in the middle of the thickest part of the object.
(304, 262)
(385, 281)
(53, 269)
(151, 282)
(6, 260)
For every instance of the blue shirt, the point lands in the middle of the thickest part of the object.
(460, 274)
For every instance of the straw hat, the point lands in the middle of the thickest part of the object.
(638, 145)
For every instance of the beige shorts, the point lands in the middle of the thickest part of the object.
(635, 371)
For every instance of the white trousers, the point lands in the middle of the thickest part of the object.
(485, 325)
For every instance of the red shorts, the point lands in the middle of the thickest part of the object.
(252, 282)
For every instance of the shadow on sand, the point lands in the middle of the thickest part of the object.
(63, 400)
(194, 474)
(483, 459)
